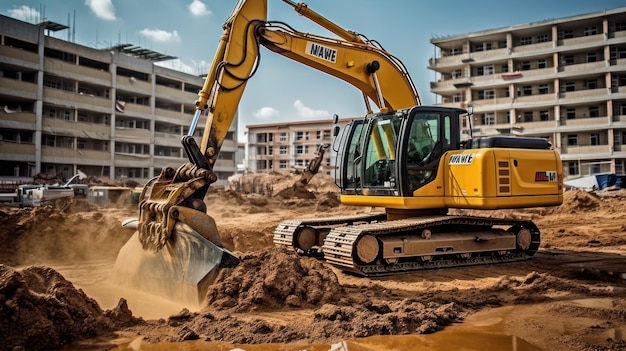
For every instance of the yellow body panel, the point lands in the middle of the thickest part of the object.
(493, 178)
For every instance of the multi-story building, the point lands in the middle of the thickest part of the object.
(279, 146)
(114, 112)
(561, 79)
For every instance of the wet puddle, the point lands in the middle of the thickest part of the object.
(480, 332)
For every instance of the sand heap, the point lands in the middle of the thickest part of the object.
(274, 278)
(40, 310)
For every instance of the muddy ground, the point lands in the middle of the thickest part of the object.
(55, 265)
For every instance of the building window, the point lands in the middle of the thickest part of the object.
(270, 150)
(543, 38)
(572, 168)
(527, 90)
(526, 40)
(456, 51)
(570, 113)
(594, 111)
(457, 73)
(568, 86)
(528, 116)
(283, 136)
(544, 115)
(488, 119)
(283, 150)
(567, 60)
(542, 63)
(572, 139)
(457, 98)
(282, 164)
(299, 149)
(486, 94)
(544, 89)
(525, 66)
(591, 57)
(484, 70)
(591, 84)
(595, 138)
(299, 135)
(566, 34)
(482, 46)
(590, 31)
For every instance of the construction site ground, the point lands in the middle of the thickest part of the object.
(57, 292)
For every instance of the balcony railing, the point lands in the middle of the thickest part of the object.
(581, 150)
(136, 110)
(84, 101)
(586, 67)
(177, 95)
(15, 119)
(581, 40)
(65, 69)
(584, 121)
(14, 87)
(132, 84)
(533, 47)
(79, 129)
(584, 95)
(69, 155)
(7, 52)
(17, 151)
(133, 135)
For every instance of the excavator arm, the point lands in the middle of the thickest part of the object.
(176, 250)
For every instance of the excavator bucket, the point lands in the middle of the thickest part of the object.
(181, 271)
(176, 252)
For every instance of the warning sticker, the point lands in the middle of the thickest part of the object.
(547, 176)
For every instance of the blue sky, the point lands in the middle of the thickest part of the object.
(283, 90)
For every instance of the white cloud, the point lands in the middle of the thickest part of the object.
(25, 13)
(178, 65)
(160, 35)
(198, 8)
(102, 8)
(307, 112)
(266, 113)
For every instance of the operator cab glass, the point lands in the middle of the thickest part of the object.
(395, 153)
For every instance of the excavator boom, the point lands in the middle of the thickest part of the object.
(177, 250)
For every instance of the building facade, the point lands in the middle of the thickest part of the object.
(115, 113)
(280, 146)
(561, 79)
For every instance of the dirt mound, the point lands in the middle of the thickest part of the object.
(40, 310)
(578, 200)
(71, 229)
(281, 184)
(271, 279)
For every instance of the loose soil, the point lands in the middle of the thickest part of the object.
(570, 296)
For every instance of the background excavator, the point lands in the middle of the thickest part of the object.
(406, 158)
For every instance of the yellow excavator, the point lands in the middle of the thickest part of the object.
(407, 158)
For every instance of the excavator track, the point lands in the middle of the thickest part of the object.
(357, 243)
(306, 235)
(343, 248)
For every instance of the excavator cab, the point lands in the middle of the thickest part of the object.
(396, 153)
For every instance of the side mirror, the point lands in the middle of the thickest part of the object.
(335, 118)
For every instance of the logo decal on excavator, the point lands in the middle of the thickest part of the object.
(320, 51)
(464, 159)
(548, 176)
